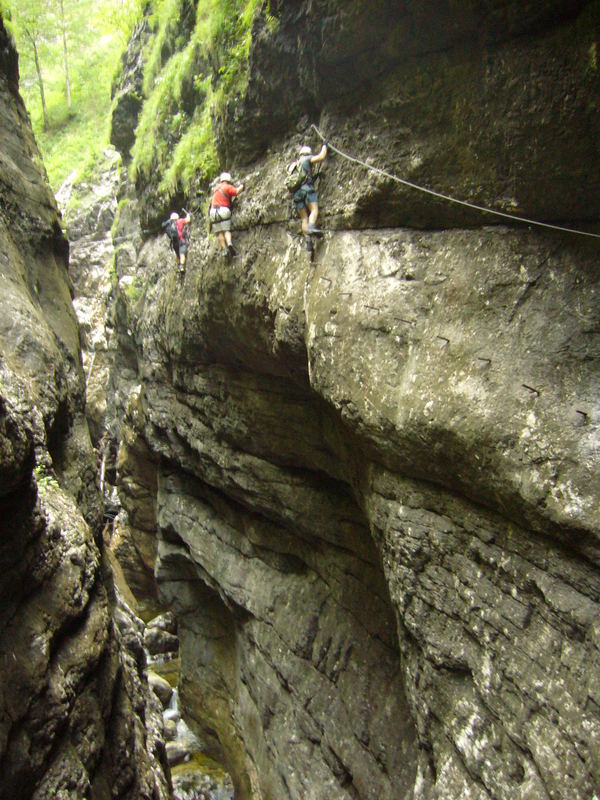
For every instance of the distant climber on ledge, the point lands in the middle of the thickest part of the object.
(306, 200)
(220, 212)
(178, 230)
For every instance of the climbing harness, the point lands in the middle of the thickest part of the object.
(450, 199)
(218, 214)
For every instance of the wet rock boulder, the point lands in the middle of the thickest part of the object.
(170, 729)
(159, 642)
(177, 753)
(161, 688)
(164, 622)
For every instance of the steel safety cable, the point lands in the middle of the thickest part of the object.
(450, 199)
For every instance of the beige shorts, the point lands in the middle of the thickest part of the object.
(220, 219)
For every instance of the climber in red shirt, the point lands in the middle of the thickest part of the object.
(178, 230)
(220, 212)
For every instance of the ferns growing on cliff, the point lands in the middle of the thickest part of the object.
(195, 152)
(165, 21)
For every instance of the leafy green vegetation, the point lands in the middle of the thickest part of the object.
(196, 65)
(44, 478)
(95, 33)
(135, 290)
(6, 16)
(190, 88)
(194, 155)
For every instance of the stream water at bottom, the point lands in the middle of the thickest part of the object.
(195, 775)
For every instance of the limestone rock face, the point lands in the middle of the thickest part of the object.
(76, 715)
(373, 534)
(375, 475)
(105, 237)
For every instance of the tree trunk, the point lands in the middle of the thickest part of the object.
(64, 38)
(41, 82)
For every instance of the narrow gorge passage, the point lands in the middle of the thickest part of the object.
(316, 537)
(283, 637)
(276, 584)
(270, 568)
(354, 498)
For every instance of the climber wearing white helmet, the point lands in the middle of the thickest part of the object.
(306, 200)
(178, 230)
(220, 212)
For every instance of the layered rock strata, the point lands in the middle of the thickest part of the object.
(335, 559)
(376, 475)
(101, 223)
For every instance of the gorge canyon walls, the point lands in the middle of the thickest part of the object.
(377, 474)
(76, 719)
(366, 485)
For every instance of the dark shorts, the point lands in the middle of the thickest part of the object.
(305, 195)
(183, 248)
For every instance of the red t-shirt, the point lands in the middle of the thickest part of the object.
(180, 225)
(218, 200)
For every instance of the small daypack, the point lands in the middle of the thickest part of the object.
(296, 177)
(171, 231)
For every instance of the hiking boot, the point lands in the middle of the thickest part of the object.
(309, 244)
(232, 251)
(314, 231)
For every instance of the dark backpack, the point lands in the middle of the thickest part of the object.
(296, 177)
(171, 230)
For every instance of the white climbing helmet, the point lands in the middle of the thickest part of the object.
(225, 176)
(305, 150)
(174, 215)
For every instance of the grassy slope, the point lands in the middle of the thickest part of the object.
(74, 139)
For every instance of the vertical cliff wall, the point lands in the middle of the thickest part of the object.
(76, 718)
(374, 477)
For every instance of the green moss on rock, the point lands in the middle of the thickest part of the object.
(189, 79)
